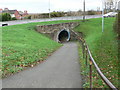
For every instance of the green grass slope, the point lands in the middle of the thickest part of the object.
(104, 49)
(22, 46)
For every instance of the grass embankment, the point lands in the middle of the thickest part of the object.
(23, 47)
(104, 49)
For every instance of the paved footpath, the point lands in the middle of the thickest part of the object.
(61, 70)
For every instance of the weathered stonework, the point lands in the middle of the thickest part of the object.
(54, 30)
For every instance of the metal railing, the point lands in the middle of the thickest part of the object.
(86, 53)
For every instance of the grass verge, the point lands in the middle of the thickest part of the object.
(23, 47)
(104, 48)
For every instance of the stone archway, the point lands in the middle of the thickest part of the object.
(63, 36)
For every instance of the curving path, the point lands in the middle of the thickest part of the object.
(61, 70)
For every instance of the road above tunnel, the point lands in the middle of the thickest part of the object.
(61, 70)
(51, 19)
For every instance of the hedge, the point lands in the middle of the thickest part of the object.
(5, 17)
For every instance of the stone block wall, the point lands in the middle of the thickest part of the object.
(53, 29)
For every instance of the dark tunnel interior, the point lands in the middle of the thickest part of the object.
(63, 36)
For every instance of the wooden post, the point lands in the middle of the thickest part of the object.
(86, 54)
(90, 73)
(83, 49)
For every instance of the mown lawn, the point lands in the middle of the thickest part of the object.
(23, 47)
(104, 48)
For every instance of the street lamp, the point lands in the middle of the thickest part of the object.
(119, 5)
(84, 10)
(49, 9)
(102, 15)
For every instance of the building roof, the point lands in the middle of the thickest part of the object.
(9, 11)
(1, 9)
(20, 12)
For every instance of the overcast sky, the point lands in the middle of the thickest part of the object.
(40, 6)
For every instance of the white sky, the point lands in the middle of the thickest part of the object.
(40, 6)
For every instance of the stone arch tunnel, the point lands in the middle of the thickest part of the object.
(58, 32)
(63, 35)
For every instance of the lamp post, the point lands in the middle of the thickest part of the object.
(119, 5)
(84, 10)
(49, 9)
(102, 16)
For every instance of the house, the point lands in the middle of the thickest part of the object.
(23, 14)
(1, 10)
(14, 13)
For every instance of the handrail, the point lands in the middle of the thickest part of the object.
(100, 73)
(96, 66)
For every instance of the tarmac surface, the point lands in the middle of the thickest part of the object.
(60, 70)
(49, 19)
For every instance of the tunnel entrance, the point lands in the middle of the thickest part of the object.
(64, 36)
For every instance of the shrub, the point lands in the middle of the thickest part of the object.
(44, 15)
(0, 17)
(27, 17)
(14, 18)
(6, 17)
(57, 14)
(91, 12)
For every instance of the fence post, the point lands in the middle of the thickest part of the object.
(90, 73)
(91, 61)
(83, 49)
(86, 54)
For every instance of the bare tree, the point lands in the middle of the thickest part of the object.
(110, 5)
